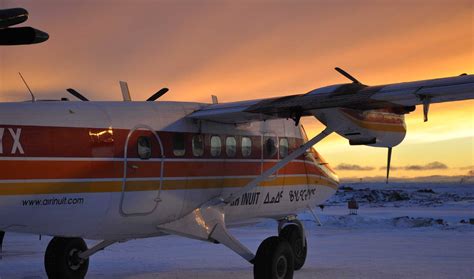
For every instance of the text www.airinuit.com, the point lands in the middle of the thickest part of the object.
(54, 201)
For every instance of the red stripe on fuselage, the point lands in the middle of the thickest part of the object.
(105, 149)
(40, 141)
(20, 169)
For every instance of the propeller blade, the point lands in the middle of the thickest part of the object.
(347, 75)
(389, 159)
(158, 94)
(77, 94)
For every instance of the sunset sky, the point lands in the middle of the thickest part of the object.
(254, 49)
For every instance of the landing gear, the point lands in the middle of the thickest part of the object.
(297, 241)
(2, 235)
(62, 258)
(278, 256)
(274, 259)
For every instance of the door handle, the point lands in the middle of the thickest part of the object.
(133, 167)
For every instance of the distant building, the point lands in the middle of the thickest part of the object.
(353, 206)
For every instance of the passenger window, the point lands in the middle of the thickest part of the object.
(144, 148)
(283, 147)
(198, 146)
(270, 147)
(230, 146)
(216, 146)
(179, 145)
(246, 146)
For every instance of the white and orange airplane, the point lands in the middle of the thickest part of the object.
(114, 171)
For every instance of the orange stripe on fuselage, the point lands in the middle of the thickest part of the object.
(37, 188)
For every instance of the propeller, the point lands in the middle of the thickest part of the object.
(347, 75)
(77, 94)
(157, 95)
(389, 159)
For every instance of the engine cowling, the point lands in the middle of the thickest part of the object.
(378, 128)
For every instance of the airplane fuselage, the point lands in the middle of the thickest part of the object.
(117, 170)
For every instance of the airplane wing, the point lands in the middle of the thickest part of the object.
(401, 97)
(365, 115)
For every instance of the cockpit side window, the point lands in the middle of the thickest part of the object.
(270, 147)
(283, 147)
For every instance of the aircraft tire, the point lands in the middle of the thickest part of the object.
(293, 235)
(61, 258)
(274, 259)
(2, 235)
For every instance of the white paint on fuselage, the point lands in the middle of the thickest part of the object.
(99, 216)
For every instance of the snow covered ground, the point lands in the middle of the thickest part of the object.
(402, 231)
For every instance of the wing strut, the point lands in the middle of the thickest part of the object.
(254, 183)
(207, 223)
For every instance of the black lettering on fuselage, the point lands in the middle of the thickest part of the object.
(250, 198)
(273, 199)
(247, 199)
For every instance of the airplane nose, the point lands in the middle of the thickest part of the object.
(331, 174)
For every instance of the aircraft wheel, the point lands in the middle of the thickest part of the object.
(61, 259)
(2, 235)
(274, 259)
(293, 235)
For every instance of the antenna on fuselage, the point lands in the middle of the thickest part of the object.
(128, 98)
(157, 95)
(125, 91)
(33, 99)
(77, 94)
(347, 75)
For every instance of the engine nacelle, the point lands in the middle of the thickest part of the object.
(22, 36)
(378, 128)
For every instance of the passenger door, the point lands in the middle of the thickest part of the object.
(142, 172)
